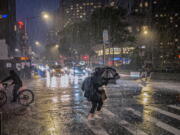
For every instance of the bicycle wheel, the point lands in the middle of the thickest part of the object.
(3, 98)
(25, 97)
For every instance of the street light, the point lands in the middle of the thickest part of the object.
(56, 46)
(45, 15)
(37, 43)
(16, 50)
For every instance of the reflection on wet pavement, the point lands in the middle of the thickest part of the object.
(61, 109)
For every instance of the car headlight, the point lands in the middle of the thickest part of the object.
(53, 70)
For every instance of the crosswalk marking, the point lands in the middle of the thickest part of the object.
(174, 106)
(96, 129)
(131, 128)
(157, 122)
(164, 112)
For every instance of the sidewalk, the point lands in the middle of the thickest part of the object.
(166, 85)
(156, 85)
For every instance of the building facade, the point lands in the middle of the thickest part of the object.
(166, 20)
(73, 11)
(7, 23)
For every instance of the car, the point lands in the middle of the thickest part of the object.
(78, 70)
(56, 70)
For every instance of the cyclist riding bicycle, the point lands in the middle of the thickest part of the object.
(16, 81)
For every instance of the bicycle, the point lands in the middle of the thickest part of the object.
(25, 96)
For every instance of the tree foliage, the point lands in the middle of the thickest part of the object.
(82, 36)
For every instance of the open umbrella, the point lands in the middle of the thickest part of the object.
(109, 73)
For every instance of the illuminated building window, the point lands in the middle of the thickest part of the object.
(156, 15)
(129, 29)
(67, 11)
(176, 25)
(176, 39)
(81, 16)
(141, 5)
(95, 7)
(71, 8)
(84, 13)
(176, 14)
(138, 29)
(77, 11)
(155, 2)
(136, 10)
(87, 4)
(81, 7)
(91, 3)
(146, 4)
(161, 15)
(171, 18)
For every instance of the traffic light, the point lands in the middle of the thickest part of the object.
(20, 25)
(85, 58)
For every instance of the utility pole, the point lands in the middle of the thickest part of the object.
(105, 41)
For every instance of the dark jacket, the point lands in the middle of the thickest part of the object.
(91, 86)
(15, 78)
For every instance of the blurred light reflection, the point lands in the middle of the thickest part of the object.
(64, 81)
(55, 99)
(65, 98)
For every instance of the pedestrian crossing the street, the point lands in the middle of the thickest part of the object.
(139, 126)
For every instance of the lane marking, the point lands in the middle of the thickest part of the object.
(129, 127)
(164, 112)
(156, 122)
(96, 129)
(174, 106)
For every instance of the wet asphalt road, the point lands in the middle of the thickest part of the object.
(132, 108)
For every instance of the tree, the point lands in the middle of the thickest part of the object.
(77, 36)
(112, 19)
(82, 36)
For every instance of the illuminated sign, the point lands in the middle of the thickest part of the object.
(24, 58)
(3, 16)
(85, 58)
(116, 51)
(117, 58)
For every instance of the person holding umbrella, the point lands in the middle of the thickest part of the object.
(93, 91)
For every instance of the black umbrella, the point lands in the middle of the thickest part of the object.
(109, 73)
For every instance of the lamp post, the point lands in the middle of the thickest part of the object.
(149, 37)
(44, 15)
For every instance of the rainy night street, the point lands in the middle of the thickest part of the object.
(132, 108)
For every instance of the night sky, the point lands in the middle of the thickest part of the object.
(37, 28)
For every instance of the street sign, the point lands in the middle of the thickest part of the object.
(105, 37)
